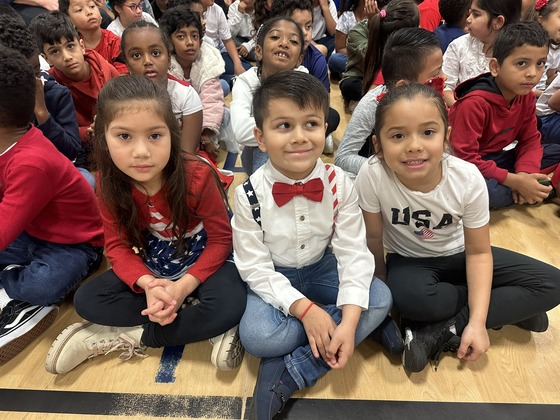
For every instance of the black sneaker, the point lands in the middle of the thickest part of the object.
(427, 343)
(20, 324)
(274, 387)
(389, 336)
(537, 323)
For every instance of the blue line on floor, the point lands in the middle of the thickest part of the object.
(229, 163)
(170, 358)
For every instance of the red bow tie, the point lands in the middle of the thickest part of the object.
(283, 193)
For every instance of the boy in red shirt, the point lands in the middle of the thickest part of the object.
(51, 232)
(83, 72)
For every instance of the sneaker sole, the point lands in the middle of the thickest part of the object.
(58, 345)
(414, 358)
(220, 346)
(17, 345)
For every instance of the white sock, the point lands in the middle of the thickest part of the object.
(4, 298)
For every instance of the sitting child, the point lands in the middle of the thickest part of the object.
(51, 232)
(127, 12)
(83, 72)
(240, 21)
(287, 217)
(85, 15)
(496, 108)
(410, 55)
(454, 14)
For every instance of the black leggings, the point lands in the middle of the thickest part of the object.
(107, 300)
(435, 289)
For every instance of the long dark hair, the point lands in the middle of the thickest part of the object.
(116, 186)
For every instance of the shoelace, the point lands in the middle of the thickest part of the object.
(450, 346)
(122, 343)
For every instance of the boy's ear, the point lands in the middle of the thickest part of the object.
(376, 146)
(82, 45)
(498, 23)
(260, 138)
(401, 82)
(494, 67)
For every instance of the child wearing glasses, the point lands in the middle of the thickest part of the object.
(127, 11)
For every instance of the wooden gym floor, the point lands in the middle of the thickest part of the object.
(519, 377)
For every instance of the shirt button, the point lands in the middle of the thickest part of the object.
(302, 218)
(303, 246)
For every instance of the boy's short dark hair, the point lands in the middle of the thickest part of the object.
(179, 17)
(15, 35)
(517, 35)
(17, 80)
(51, 27)
(287, 7)
(64, 6)
(405, 54)
(174, 3)
(454, 11)
(301, 88)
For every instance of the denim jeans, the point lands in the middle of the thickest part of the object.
(550, 128)
(47, 271)
(267, 332)
(337, 63)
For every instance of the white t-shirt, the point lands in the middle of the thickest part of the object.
(184, 99)
(346, 21)
(319, 24)
(417, 224)
(217, 28)
(117, 27)
(552, 62)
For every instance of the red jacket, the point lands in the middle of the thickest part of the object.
(84, 93)
(43, 194)
(110, 48)
(204, 202)
(483, 122)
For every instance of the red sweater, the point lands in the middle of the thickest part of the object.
(43, 194)
(204, 202)
(484, 122)
(110, 48)
(84, 93)
(430, 18)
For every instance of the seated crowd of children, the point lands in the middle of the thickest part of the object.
(109, 141)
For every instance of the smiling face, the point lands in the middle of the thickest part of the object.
(186, 43)
(281, 49)
(85, 15)
(139, 143)
(293, 138)
(68, 57)
(146, 54)
(520, 71)
(411, 142)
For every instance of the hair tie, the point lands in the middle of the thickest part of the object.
(539, 4)
(383, 13)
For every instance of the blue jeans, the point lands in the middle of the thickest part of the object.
(550, 128)
(337, 64)
(47, 271)
(267, 332)
(230, 72)
(499, 194)
(252, 158)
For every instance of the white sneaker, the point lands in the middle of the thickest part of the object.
(228, 352)
(329, 145)
(86, 340)
(20, 324)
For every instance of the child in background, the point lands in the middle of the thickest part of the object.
(167, 236)
(401, 14)
(200, 64)
(410, 55)
(147, 53)
(240, 20)
(430, 16)
(547, 13)
(429, 211)
(85, 15)
(496, 108)
(325, 18)
(350, 13)
(50, 227)
(379, 31)
(454, 14)
(217, 29)
(284, 252)
(469, 55)
(127, 11)
(83, 72)
(301, 12)
(262, 13)
(279, 47)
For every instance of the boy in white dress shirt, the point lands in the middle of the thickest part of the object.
(300, 244)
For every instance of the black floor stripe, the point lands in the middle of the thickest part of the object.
(100, 403)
